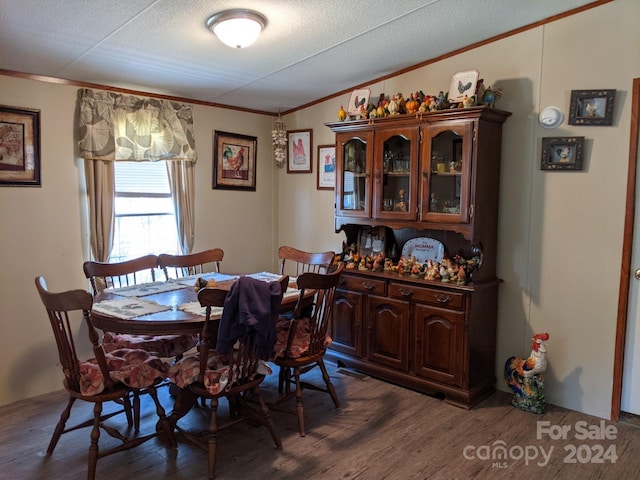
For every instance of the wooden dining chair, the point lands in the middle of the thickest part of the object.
(295, 262)
(177, 266)
(97, 380)
(122, 274)
(303, 341)
(234, 369)
(104, 275)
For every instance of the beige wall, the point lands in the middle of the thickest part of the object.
(560, 232)
(42, 230)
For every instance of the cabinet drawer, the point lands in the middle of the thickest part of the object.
(363, 284)
(432, 296)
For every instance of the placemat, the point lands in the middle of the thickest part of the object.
(218, 277)
(144, 289)
(197, 309)
(265, 276)
(128, 308)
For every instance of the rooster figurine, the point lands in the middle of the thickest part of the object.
(524, 377)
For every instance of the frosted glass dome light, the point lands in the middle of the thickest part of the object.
(237, 28)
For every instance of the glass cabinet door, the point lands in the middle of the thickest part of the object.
(395, 178)
(353, 158)
(446, 172)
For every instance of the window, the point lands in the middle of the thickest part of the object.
(144, 213)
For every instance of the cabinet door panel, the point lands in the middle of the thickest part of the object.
(345, 328)
(395, 185)
(388, 324)
(354, 156)
(447, 154)
(439, 344)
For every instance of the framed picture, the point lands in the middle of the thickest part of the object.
(19, 147)
(358, 99)
(300, 154)
(234, 161)
(463, 83)
(326, 167)
(591, 107)
(562, 153)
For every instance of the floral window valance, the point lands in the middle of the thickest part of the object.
(112, 126)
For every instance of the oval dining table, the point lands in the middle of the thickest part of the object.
(172, 321)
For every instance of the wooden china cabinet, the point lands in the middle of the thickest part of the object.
(435, 175)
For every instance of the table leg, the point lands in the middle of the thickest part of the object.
(185, 400)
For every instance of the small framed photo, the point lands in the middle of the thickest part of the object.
(326, 167)
(299, 147)
(591, 107)
(358, 99)
(562, 153)
(19, 147)
(234, 161)
(463, 83)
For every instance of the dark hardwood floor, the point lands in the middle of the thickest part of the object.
(381, 432)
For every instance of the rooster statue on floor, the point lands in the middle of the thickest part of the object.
(524, 376)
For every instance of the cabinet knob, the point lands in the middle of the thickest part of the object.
(443, 298)
(341, 281)
(405, 292)
(368, 285)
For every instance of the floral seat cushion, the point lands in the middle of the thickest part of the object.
(185, 371)
(167, 346)
(300, 344)
(133, 367)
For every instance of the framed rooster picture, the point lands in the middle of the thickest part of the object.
(299, 154)
(463, 83)
(591, 107)
(234, 161)
(359, 99)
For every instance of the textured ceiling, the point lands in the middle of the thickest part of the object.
(310, 49)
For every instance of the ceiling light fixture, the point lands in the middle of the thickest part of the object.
(238, 27)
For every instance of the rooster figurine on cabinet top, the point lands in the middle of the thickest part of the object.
(342, 115)
(524, 376)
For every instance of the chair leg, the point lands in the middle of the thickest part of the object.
(95, 436)
(160, 412)
(128, 411)
(327, 381)
(281, 379)
(299, 406)
(266, 418)
(136, 411)
(57, 433)
(213, 432)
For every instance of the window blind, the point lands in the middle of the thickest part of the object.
(141, 178)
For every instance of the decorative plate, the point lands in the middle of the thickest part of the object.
(423, 249)
(551, 117)
(463, 83)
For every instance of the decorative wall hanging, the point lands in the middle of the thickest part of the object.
(234, 161)
(326, 167)
(562, 153)
(279, 138)
(19, 146)
(300, 153)
(591, 107)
